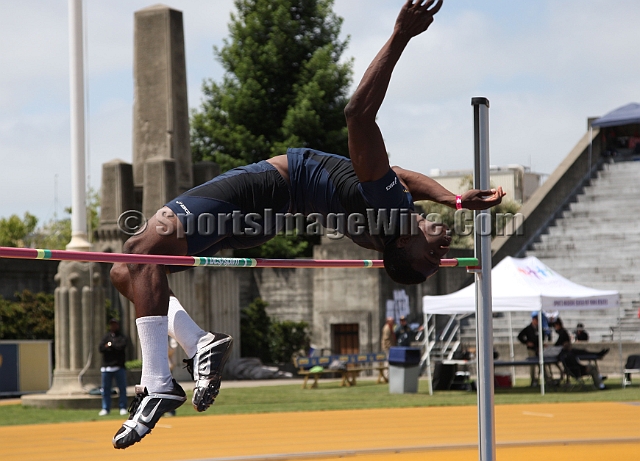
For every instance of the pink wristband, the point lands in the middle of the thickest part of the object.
(458, 202)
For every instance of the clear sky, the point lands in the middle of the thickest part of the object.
(545, 66)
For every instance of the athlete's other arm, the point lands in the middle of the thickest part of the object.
(366, 146)
(424, 188)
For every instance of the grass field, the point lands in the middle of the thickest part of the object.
(330, 396)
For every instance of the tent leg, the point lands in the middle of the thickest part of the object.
(512, 354)
(429, 375)
(541, 374)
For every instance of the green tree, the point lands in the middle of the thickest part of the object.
(254, 331)
(53, 235)
(442, 213)
(56, 233)
(270, 340)
(14, 231)
(286, 338)
(282, 246)
(283, 85)
(29, 317)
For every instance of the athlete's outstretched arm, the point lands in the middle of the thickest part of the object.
(424, 188)
(366, 146)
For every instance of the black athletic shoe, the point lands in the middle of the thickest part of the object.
(145, 411)
(206, 369)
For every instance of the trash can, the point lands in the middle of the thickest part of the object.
(404, 370)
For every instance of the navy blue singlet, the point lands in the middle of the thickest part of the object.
(238, 208)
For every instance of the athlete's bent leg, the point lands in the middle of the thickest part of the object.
(147, 286)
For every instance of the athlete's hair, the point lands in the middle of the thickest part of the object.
(397, 263)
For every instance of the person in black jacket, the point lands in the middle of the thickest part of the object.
(580, 333)
(563, 334)
(405, 335)
(112, 347)
(529, 337)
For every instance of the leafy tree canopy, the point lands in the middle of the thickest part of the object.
(282, 246)
(15, 230)
(462, 220)
(284, 85)
(55, 234)
(270, 340)
(254, 330)
(30, 317)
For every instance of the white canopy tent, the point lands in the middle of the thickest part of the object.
(524, 284)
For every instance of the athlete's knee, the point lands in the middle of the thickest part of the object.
(136, 245)
(119, 275)
(145, 242)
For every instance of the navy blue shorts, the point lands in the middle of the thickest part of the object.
(229, 211)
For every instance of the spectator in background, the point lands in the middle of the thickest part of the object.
(546, 326)
(388, 335)
(112, 347)
(580, 334)
(563, 334)
(529, 337)
(404, 333)
(634, 142)
(575, 368)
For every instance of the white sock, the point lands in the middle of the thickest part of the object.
(183, 329)
(156, 376)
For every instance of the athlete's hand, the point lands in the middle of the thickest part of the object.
(415, 16)
(475, 199)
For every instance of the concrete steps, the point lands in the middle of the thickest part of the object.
(596, 243)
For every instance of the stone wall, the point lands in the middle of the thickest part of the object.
(288, 291)
(17, 275)
(325, 297)
(345, 295)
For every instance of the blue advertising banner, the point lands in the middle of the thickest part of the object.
(8, 368)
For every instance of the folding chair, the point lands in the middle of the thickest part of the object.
(573, 372)
(632, 366)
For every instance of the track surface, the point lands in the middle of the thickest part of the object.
(580, 431)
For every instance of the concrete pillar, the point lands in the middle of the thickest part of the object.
(204, 171)
(116, 194)
(97, 321)
(75, 325)
(80, 324)
(162, 165)
(159, 184)
(161, 113)
(61, 303)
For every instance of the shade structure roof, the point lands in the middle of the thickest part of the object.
(624, 115)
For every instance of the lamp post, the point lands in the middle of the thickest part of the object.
(76, 85)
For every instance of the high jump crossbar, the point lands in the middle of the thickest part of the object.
(199, 261)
